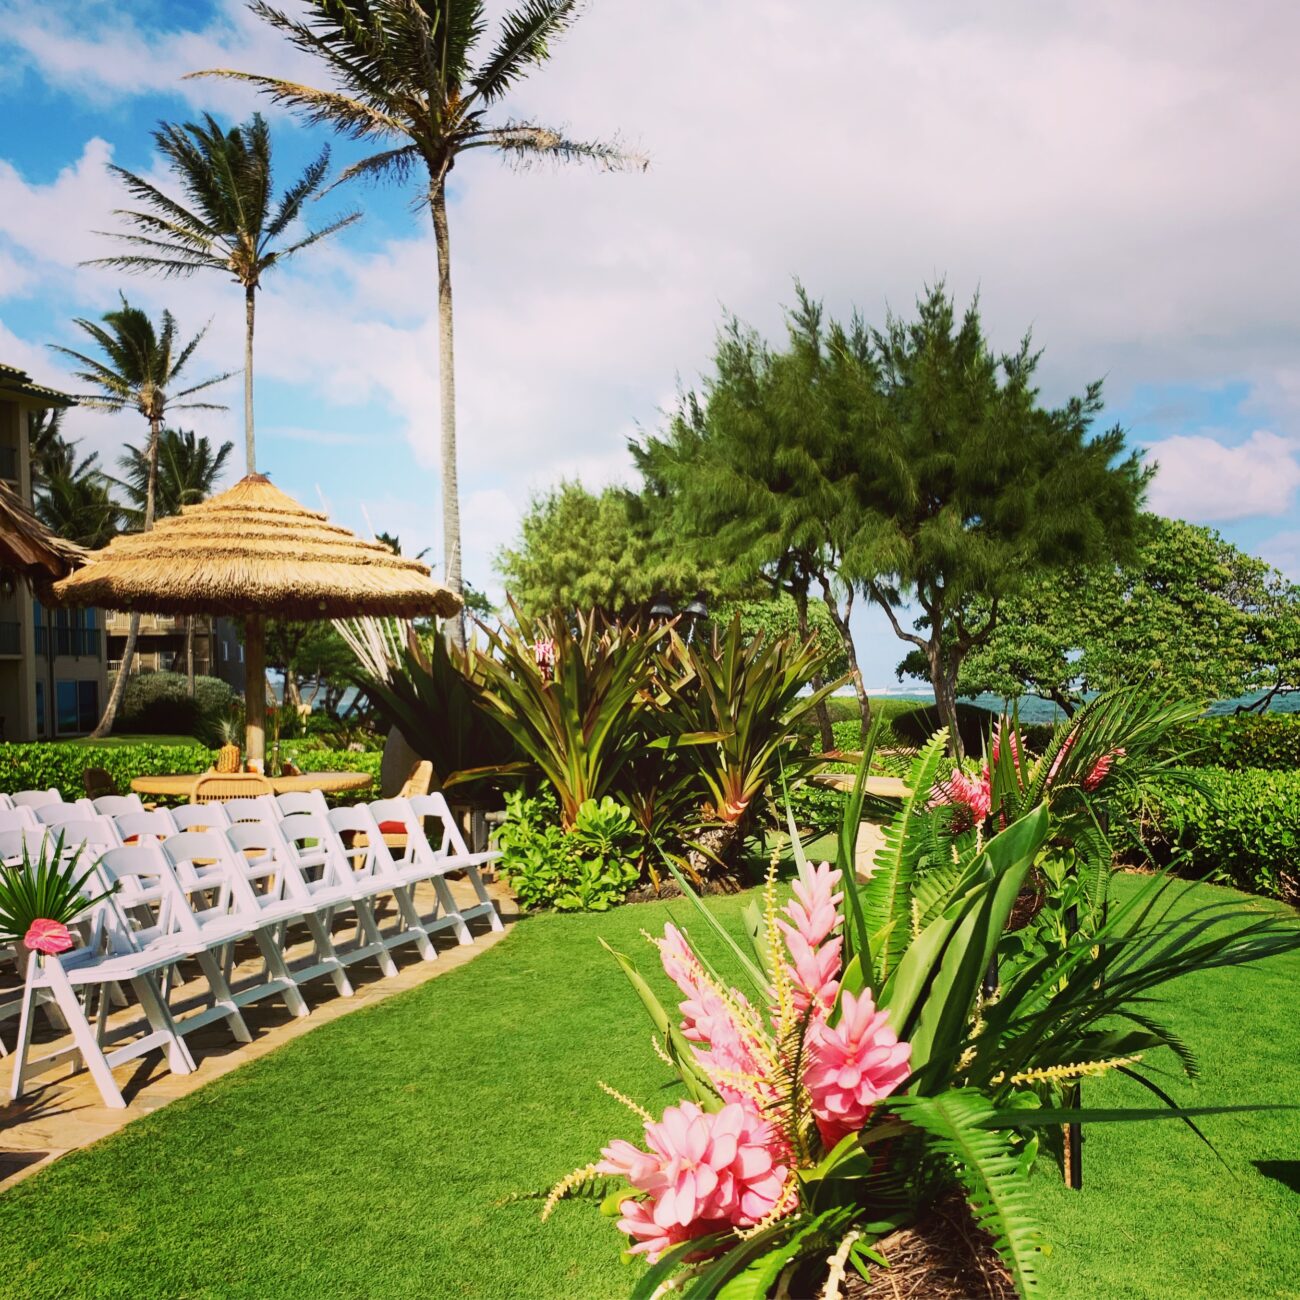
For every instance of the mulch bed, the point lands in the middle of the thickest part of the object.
(944, 1257)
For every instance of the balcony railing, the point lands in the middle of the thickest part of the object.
(81, 642)
(11, 642)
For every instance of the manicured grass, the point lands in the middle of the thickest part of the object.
(370, 1157)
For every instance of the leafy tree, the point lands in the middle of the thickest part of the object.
(751, 468)
(778, 619)
(968, 486)
(229, 221)
(188, 471)
(308, 649)
(140, 368)
(1190, 612)
(406, 75)
(586, 550)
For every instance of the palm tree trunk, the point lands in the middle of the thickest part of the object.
(116, 695)
(189, 655)
(455, 626)
(250, 449)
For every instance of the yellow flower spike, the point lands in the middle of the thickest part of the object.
(639, 1111)
(566, 1185)
(782, 990)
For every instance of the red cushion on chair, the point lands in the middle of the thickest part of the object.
(131, 839)
(392, 828)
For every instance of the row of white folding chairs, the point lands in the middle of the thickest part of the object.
(314, 873)
(31, 798)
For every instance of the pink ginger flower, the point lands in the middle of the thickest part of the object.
(703, 1173)
(814, 974)
(1101, 769)
(544, 657)
(813, 914)
(723, 1051)
(1060, 756)
(852, 1065)
(48, 937)
(814, 910)
(972, 796)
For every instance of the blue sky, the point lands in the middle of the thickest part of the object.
(1121, 178)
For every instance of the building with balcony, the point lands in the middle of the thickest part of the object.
(52, 661)
(160, 646)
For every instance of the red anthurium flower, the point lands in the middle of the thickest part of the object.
(46, 936)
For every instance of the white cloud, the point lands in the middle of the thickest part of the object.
(1282, 550)
(1203, 481)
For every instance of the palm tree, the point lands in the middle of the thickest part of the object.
(188, 470)
(230, 224)
(406, 75)
(73, 500)
(140, 366)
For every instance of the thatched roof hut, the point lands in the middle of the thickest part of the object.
(254, 551)
(28, 547)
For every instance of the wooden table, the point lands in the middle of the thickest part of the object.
(181, 785)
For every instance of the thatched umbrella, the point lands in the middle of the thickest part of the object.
(254, 552)
(28, 547)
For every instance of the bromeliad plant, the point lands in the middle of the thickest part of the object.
(40, 899)
(873, 1061)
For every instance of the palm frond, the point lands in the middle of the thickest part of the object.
(523, 42)
(529, 143)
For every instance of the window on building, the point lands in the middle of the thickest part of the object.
(66, 715)
(87, 705)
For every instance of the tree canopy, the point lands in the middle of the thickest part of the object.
(1190, 612)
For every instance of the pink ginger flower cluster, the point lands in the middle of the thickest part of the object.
(853, 1065)
(1101, 769)
(544, 657)
(722, 1048)
(972, 796)
(1060, 756)
(811, 918)
(703, 1173)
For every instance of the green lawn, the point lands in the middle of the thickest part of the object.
(369, 1157)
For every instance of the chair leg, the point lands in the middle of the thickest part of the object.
(480, 890)
(448, 904)
(325, 953)
(280, 973)
(179, 1060)
(410, 918)
(83, 1037)
(24, 1031)
(368, 929)
(223, 997)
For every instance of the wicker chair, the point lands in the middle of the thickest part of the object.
(216, 787)
(417, 782)
(98, 783)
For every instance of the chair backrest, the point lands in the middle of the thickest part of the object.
(293, 802)
(13, 841)
(258, 808)
(200, 817)
(98, 782)
(55, 814)
(6, 801)
(389, 815)
(116, 805)
(36, 798)
(315, 849)
(14, 819)
(93, 834)
(419, 780)
(257, 855)
(148, 904)
(444, 828)
(368, 858)
(203, 862)
(217, 787)
(157, 824)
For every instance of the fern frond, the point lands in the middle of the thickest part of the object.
(989, 1170)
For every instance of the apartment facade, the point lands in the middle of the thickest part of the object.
(52, 661)
(160, 646)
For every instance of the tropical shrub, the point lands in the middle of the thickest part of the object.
(873, 1058)
(40, 899)
(1260, 740)
(588, 868)
(160, 704)
(1242, 827)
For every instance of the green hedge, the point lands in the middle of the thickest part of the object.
(1247, 832)
(39, 766)
(159, 703)
(1258, 740)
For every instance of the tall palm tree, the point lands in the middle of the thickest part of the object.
(230, 224)
(406, 75)
(188, 470)
(140, 367)
(73, 500)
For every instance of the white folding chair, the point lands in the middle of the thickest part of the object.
(12, 843)
(223, 908)
(255, 808)
(36, 798)
(370, 868)
(323, 871)
(292, 802)
(432, 808)
(152, 908)
(6, 801)
(157, 824)
(118, 805)
(200, 817)
(13, 819)
(98, 963)
(55, 814)
(266, 859)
